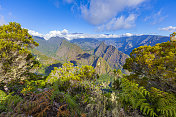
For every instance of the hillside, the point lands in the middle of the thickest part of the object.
(48, 47)
(48, 63)
(68, 51)
(86, 44)
(45, 60)
(101, 66)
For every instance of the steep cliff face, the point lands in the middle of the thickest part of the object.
(85, 59)
(100, 50)
(101, 66)
(111, 55)
(73, 53)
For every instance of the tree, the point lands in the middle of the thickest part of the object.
(172, 37)
(156, 65)
(15, 58)
(69, 72)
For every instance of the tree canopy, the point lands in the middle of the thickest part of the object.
(156, 65)
(15, 58)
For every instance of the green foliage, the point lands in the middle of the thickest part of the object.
(164, 102)
(73, 85)
(102, 105)
(8, 102)
(151, 103)
(70, 101)
(150, 88)
(32, 86)
(105, 78)
(117, 72)
(172, 36)
(15, 58)
(156, 63)
(135, 96)
(87, 72)
(64, 96)
(68, 72)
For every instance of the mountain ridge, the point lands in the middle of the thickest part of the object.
(125, 44)
(109, 52)
(65, 51)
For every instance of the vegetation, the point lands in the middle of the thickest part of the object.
(151, 87)
(154, 66)
(16, 60)
(78, 91)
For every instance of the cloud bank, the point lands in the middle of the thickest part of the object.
(106, 13)
(119, 23)
(100, 11)
(65, 34)
(169, 28)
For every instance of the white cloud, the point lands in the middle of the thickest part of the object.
(2, 20)
(55, 33)
(65, 34)
(127, 35)
(101, 11)
(76, 36)
(169, 28)
(130, 34)
(119, 23)
(35, 33)
(64, 31)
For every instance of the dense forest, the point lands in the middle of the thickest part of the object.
(79, 91)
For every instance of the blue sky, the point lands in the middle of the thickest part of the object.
(117, 17)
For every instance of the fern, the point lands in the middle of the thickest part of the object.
(151, 103)
(165, 102)
(10, 114)
(70, 101)
(8, 102)
(35, 104)
(62, 111)
(135, 96)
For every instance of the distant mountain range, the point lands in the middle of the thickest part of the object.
(86, 44)
(123, 44)
(102, 53)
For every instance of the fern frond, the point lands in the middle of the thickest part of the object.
(62, 111)
(36, 105)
